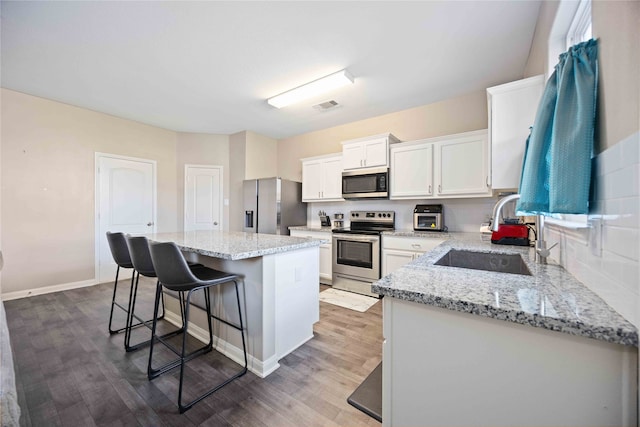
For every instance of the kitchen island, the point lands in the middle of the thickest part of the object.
(279, 293)
(473, 347)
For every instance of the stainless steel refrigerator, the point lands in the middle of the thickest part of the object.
(272, 205)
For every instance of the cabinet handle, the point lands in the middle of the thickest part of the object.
(487, 181)
(429, 189)
(416, 245)
(439, 188)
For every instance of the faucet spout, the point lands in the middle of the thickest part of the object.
(497, 210)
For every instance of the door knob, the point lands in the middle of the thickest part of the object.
(149, 224)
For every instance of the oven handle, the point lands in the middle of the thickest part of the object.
(356, 237)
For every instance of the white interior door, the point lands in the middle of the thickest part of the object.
(125, 202)
(202, 197)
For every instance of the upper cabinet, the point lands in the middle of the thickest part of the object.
(443, 167)
(368, 152)
(411, 170)
(322, 178)
(461, 166)
(512, 110)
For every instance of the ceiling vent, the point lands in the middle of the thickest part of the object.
(327, 105)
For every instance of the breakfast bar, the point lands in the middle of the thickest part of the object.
(279, 293)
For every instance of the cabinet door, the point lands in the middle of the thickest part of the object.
(332, 179)
(325, 263)
(411, 171)
(376, 152)
(393, 260)
(312, 178)
(462, 166)
(512, 110)
(352, 156)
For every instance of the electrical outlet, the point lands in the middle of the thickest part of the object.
(595, 236)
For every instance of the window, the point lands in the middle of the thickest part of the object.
(580, 28)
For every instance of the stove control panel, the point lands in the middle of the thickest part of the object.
(373, 216)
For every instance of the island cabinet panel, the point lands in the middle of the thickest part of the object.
(325, 251)
(449, 368)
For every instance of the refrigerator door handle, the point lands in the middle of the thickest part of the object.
(248, 219)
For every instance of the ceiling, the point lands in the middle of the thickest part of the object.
(209, 66)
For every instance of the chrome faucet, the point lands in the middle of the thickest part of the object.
(542, 252)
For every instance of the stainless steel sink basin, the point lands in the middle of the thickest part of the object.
(501, 263)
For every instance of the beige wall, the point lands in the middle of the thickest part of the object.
(237, 165)
(261, 156)
(202, 149)
(48, 152)
(461, 114)
(617, 26)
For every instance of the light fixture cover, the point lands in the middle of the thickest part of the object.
(309, 90)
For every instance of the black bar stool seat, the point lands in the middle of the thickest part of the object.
(174, 274)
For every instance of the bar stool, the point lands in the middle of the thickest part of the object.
(174, 274)
(141, 259)
(120, 253)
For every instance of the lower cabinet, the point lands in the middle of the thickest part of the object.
(325, 252)
(398, 250)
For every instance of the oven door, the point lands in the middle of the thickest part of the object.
(357, 255)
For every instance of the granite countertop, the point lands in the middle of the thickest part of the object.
(306, 228)
(550, 298)
(419, 234)
(233, 245)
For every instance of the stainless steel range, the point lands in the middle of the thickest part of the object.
(356, 251)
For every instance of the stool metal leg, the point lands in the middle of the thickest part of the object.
(185, 407)
(114, 303)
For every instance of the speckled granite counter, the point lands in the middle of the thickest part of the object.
(305, 228)
(419, 234)
(551, 298)
(233, 245)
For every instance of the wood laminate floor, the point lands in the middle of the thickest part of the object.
(71, 372)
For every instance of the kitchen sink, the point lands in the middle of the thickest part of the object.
(501, 263)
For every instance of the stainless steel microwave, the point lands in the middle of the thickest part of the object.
(372, 183)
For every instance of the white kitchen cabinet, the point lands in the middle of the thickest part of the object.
(325, 251)
(411, 170)
(512, 110)
(368, 152)
(448, 368)
(399, 250)
(322, 178)
(449, 166)
(462, 165)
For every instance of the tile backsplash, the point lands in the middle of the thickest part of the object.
(459, 214)
(606, 256)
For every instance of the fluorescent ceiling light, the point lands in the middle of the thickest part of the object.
(309, 90)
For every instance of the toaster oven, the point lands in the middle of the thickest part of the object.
(428, 218)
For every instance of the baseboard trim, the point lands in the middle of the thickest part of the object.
(261, 368)
(8, 296)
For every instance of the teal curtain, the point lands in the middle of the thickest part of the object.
(556, 172)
